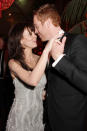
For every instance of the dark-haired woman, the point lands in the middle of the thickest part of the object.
(27, 71)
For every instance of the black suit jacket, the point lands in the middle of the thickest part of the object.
(67, 87)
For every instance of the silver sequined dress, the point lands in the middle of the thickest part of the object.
(26, 113)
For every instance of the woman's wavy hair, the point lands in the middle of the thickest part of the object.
(15, 49)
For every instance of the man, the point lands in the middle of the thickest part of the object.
(67, 73)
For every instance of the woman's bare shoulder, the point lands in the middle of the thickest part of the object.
(12, 62)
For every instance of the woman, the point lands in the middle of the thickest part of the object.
(27, 71)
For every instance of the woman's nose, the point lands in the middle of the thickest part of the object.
(34, 35)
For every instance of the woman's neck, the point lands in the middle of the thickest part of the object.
(30, 58)
(28, 53)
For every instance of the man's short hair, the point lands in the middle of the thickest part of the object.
(48, 11)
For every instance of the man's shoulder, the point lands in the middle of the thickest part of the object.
(76, 35)
(71, 34)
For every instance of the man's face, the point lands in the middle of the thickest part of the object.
(41, 29)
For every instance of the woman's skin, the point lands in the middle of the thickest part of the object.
(36, 63)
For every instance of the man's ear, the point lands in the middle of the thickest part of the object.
(47, 23)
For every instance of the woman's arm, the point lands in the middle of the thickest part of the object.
(32, 77)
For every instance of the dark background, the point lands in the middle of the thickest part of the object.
(21, 10)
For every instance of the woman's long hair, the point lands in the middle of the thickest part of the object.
(15, 49)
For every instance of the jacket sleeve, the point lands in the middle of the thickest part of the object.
(74, 66)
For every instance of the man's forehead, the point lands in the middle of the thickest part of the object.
(36, 21)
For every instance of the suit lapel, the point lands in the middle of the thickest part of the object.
(67, 44)
(69, 41)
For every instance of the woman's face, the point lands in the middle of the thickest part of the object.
(29, 39)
